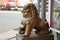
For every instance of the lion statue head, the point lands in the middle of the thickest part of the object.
(29, 11)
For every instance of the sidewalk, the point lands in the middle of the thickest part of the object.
(8, 35)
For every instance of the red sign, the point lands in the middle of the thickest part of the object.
(52, 23)
(8, 4)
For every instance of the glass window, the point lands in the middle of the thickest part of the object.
(56, 15)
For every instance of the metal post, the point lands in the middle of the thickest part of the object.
(38, 6)
(50, 9)
(43, 9)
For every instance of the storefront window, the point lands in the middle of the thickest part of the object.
(56, 19)
(56, 15)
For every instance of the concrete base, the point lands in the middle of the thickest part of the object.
(35, 37)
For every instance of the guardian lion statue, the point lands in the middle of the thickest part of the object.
(33, 22)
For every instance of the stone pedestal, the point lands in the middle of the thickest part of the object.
(35, 37)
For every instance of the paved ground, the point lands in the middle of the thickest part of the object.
(8, 35)
(9, 20)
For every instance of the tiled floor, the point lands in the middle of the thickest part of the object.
(9, 35)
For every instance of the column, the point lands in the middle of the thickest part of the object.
(43, 9)
(50, 11)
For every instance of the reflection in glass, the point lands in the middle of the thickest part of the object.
(56, 15)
